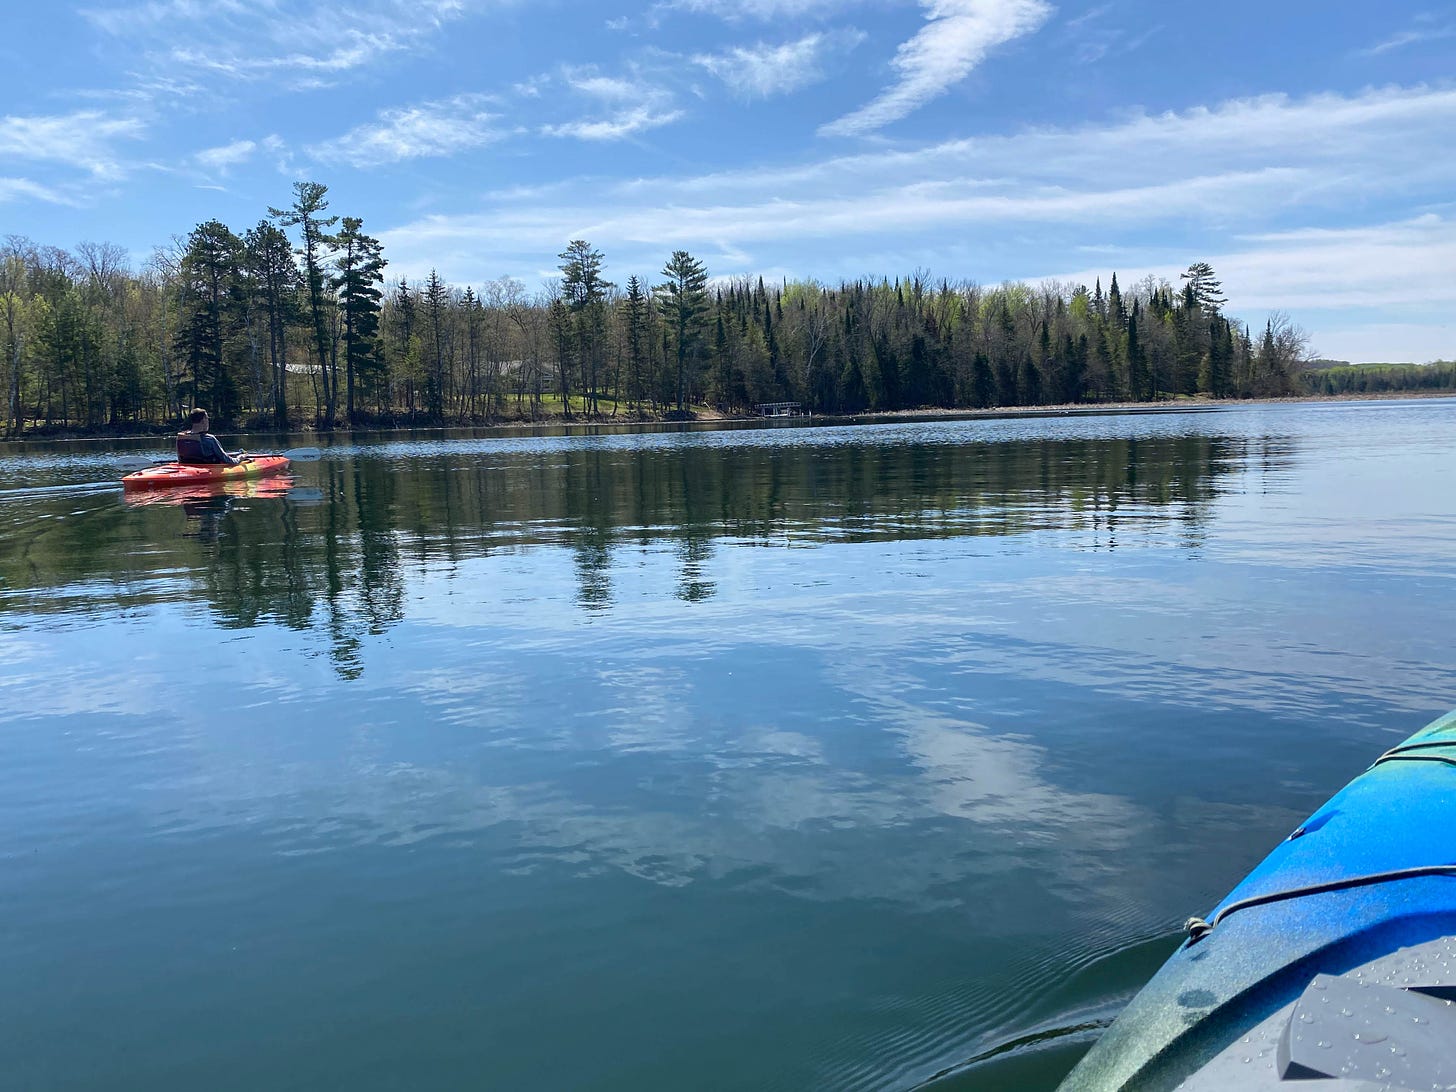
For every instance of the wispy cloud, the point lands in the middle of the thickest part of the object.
(221, 159)
(957, 37)
(1090, 37)
(625, 106)
(439, 128)
(1424, 31)
(994, 207)
(621, 124)
(1089, 16)
(735, 10)
(1369, 266)
(762, 70)
(86, 140)
(310, 44)
(17, 189)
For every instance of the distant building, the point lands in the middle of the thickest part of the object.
(782, 409)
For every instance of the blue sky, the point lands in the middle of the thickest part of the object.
(1307, 150)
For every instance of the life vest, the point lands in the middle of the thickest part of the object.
(190, 450)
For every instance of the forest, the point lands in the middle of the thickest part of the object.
(294, 324)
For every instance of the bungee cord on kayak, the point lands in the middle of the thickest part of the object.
(1197, 928)
(1403, 753)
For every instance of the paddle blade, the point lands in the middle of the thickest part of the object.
(141, 462)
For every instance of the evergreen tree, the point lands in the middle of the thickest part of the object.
(435, 298)
(983, 383)
(584, 290)
(635, 306)
(209, 317)
(1204, 287)
(360, 272)
(305, 214)
(683, 300)
(270, 260)
(1137, 369)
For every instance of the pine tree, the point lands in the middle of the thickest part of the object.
(584, 290)
(360, 272)
(209, 317)
(635, 307)
(1137, 368)
(683, 300)
(269, 255)
(305, 214)
(1204, 286)
(436, 297)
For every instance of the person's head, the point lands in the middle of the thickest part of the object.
(197, 420)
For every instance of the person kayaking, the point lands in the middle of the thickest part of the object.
(197, 445)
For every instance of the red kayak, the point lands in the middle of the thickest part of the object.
(173, 474)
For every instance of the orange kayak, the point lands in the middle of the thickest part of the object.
(173, 474)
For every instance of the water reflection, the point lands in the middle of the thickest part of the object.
(834, 759)
(330, 548)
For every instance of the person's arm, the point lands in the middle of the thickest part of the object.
(214, 448)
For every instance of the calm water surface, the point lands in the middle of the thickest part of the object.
(801, 758)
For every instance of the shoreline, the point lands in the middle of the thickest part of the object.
(1071, 409)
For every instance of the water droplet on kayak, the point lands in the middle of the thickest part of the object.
(1370, 1037)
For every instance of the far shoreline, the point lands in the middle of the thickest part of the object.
(559, 423)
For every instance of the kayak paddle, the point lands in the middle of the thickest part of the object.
(293, 455)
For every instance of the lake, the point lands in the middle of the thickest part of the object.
(825, 757)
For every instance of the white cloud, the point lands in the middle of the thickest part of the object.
(1026, 204)
(957, 38)
(1088, 16)
(621, 124)
(1238, 163)
(610, 88)
(439, 128)
(132, 17)
(633, 106)
(762, 70)
(16, 189)
(734, 10)
(223, 158)
(903, 208)
(1414, 36)
(1387, 342)
(85, 140)
(1330, 276)
(313, 42)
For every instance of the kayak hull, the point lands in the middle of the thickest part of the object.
(1361, 879)
(172, 475)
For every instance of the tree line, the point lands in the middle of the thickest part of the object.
(293, 323)
(1439, 375)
